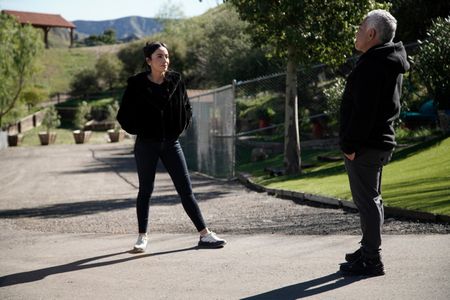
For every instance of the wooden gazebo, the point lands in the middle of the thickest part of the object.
(44, 21)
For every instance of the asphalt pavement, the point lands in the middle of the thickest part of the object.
(62, 216)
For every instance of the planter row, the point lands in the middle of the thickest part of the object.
(80, 137)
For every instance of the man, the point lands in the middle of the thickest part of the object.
(370, 104)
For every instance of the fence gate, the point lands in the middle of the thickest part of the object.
(209, 143)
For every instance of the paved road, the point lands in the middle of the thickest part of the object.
(68, 221)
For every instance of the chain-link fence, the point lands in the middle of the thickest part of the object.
(244, 122)
(261, 106)
(229, 123)
(209, 143)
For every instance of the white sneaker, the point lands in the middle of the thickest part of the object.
(211, 240)
(141, 243)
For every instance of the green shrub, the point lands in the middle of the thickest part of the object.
(34, 95)
(85, 83)
(82, 115)
(51, 119)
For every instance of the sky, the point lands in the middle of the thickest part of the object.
(98, 10)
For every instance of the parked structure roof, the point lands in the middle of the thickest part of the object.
(40, 19)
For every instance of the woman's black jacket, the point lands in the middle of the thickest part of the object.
(157, 112)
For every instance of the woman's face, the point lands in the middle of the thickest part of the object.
(159, 61)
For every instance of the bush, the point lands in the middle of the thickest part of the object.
(333, 95)
(85, 83)
(34, 95)
(82, 115)
(108, 69)
(51, 119)
(433, 62)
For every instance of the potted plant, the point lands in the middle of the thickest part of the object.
(81, 117)
(14, 135)
(116, 134)
(14, 139)
(50, 121)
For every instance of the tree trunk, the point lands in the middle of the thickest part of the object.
(444, 121)
(292, 160)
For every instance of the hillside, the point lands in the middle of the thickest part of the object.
(125, 28)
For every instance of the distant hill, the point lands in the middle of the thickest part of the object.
(126, 28)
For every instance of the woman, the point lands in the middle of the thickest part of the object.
(156, 108)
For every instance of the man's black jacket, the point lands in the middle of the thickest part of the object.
(371, 99)
(157, 112)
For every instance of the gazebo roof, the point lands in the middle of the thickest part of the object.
(40, 20)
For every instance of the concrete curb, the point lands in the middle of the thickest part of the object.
(301, 197)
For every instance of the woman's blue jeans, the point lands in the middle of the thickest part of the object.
(147, 153)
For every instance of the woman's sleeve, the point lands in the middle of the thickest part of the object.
(126, 115)
(188, 107)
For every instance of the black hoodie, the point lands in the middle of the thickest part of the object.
(371, 99)
(155, 111)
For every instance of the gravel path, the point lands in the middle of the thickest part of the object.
(92, 189)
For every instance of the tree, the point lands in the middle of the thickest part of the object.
(414, 17)
(85, 83)
(19, 49)
(225, 51)
(33, 95)
(433, 62)
(132, 58)
(108, 69)
(303, 32)
(109, 36)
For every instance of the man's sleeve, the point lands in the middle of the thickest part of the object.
(366, 95)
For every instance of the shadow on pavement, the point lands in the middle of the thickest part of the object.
(88, 263)
(308, 288)
(65, 210)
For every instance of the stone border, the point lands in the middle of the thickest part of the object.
(300, 197)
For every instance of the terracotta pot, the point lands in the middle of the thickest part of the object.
(47, 138)
(116, 136)
(81, 136)
(14, 139)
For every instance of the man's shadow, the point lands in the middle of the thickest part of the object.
(36, 275)
(308, 288)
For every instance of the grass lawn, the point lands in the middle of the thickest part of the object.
(418, 178)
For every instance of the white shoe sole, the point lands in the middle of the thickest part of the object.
(138, 250)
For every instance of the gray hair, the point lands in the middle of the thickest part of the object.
(383, 22)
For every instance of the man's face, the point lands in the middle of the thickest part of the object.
(363, 37)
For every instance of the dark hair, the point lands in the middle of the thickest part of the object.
(152, 47)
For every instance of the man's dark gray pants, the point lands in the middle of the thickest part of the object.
(364, 174)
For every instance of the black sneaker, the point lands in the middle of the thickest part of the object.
(352, 257)
(363, 266)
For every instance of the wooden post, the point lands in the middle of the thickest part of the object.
(71, 39)
(46, 30)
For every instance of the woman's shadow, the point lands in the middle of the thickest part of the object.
(36, 275)
(308, 288)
